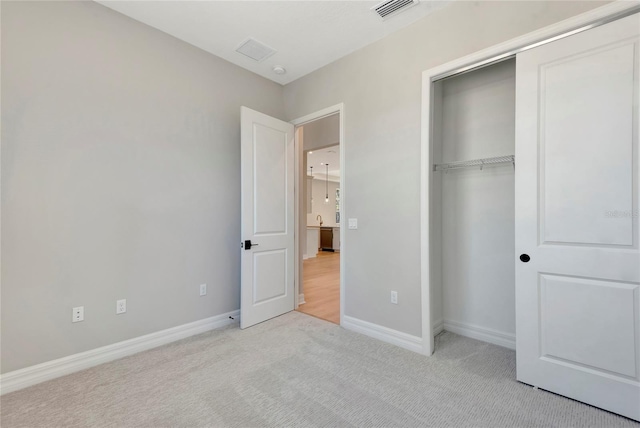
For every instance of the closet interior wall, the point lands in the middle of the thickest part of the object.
(472, 210)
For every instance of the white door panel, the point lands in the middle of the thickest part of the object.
(267, 268)
(568, 324)
(591, 156)
(270, 179)
(577, 193)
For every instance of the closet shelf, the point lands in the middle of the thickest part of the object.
(499, 160)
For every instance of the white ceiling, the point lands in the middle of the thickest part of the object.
(318, 159)
(307, 34)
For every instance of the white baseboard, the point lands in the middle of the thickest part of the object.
(301, 299)
(496, 337)
(394, 337)
(438, 327)
(19, 379)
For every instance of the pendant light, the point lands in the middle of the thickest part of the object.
(326, 198)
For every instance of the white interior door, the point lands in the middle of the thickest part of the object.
(267, 264)
(577, 158)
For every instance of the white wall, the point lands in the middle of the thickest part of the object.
(322, 133)
(477, 211)
(380, 86)
(319, 207)
(120, 178)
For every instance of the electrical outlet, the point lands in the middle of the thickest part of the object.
(121, 306)
(203, 289)
(394, 297)
(77, 314)
(353, 223)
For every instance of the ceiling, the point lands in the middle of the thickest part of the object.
(318, 159)
(307, 34)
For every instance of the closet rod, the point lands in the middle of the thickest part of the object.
(499, 160)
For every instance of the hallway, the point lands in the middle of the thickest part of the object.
(322, 287)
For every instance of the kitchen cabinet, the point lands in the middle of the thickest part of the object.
(326, 238)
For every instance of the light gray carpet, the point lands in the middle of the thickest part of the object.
(296, 370)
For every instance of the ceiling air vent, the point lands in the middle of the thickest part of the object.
(392, 7)
(255, 50)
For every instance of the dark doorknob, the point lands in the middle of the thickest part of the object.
(248, 244)
(524, 258)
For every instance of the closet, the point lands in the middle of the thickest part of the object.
(533, 193)
(474, 207)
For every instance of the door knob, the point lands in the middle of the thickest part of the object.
(248, 244)
(524, 258)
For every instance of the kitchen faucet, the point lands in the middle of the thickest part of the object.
(319, 217)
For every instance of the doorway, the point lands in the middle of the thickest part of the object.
(320, 208)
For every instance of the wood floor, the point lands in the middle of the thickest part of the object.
(321, 286)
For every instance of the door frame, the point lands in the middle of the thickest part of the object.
(491, 55)
(298, 149)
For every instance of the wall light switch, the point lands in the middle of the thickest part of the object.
(394, 297)
(203, 289)
(353, 223)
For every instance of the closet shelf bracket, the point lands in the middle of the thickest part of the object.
(499, 160)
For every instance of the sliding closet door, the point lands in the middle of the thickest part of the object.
(577, 207)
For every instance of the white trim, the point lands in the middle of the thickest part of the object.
(301, 299)
(329, 111)
(394, 337)
(320, 114)
(537, 36)
(33, 375)
(425, 217)
(297, 185)
(624, 11)
(500, 338)
(428, 76)
(438, 327)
